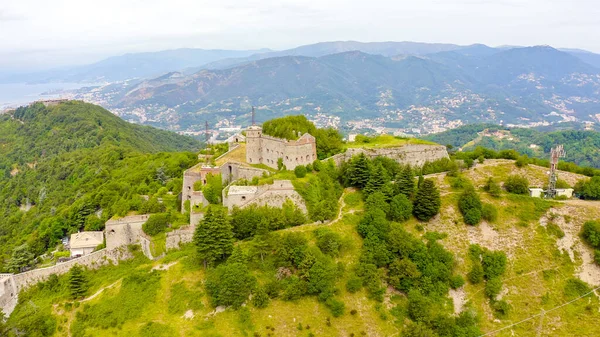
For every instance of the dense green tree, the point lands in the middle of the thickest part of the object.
(157, 223)
(230, 284)
(403, 274)
(427, 201)
(77, 283)
(328, 241)
(213, 236)
(589, 189)
(358, 171)
(377, 200)
(400, 208)
(21, 258)
(470, 206)
(517, 184)
(377, 179)
(405, 182)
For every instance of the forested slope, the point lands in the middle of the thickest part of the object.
(582, 147)
(74, 165)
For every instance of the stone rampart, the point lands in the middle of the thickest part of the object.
(414, 154)
(92, 261)
(180, 236)
(12, 284)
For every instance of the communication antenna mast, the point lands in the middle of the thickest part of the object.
(207, 136)
(253, 120)
(555, 153)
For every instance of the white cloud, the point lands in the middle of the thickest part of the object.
(83, 30)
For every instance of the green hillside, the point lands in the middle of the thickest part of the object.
(375, 270)
(72, 166)
(582, 147)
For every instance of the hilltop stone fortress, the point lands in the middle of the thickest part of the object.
(242, 162)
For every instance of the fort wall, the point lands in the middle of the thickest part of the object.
(12, 284)
(414, 154)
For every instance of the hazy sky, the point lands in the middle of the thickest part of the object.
(48, 33)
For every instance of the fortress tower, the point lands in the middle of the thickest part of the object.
(264, 149)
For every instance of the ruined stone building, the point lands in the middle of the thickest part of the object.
(264, 149)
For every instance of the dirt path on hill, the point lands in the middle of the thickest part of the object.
(99, 292)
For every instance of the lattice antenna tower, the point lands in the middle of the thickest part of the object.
(555, 153)
(207, 139)
(253, 116)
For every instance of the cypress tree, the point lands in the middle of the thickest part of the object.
(405, 182)
(358, 171)
(377, 179)
(214, 237)
(77, 282)
(427, 201)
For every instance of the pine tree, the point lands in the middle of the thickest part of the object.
(405, 182)
(377, 179)
(358, 171)
(214, 237)
(470, 206)
(77, 283)
(427, 201)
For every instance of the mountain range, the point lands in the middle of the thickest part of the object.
(435, 87)
(407, 86)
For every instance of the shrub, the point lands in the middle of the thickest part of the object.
(456, 281)
(353, 284)
(472, 217)
(517, 184)
(493, 287)
(353, 312)
(300, 171)
(522, 161)
(337, 307)
(492, 188)
(156, 224)
(469, 205)
(591, 233)
(260, 298)
(328, 241)
(494, 264)
(501, 308)
(476, 274)
(575, 288)
(489, 212)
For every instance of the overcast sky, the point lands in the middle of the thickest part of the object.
(49, 33)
